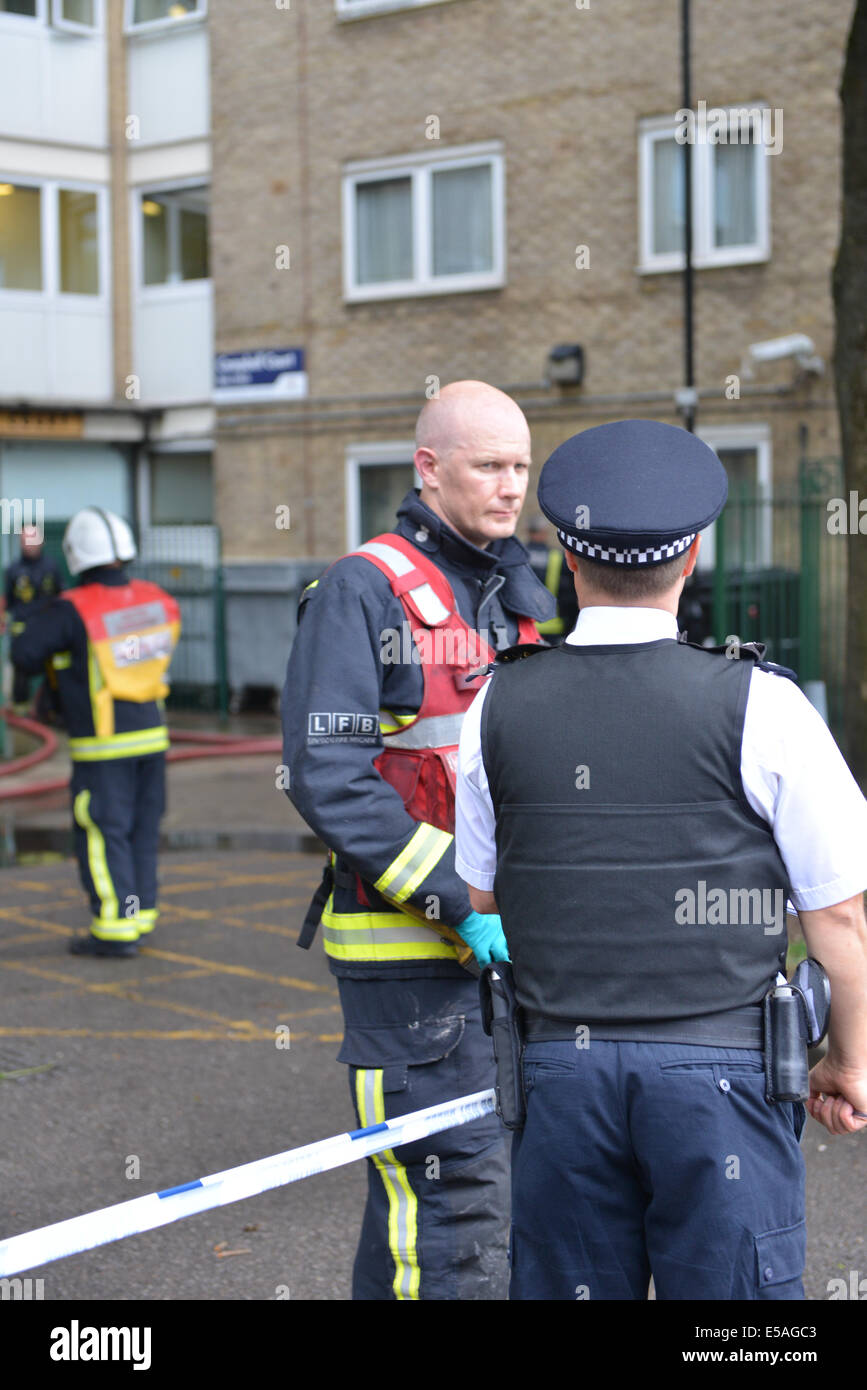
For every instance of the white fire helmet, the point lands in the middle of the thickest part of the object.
(96, 537)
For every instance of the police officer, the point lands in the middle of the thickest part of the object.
(376, 687)
(32, 578)
(641, 841)
(109, 642)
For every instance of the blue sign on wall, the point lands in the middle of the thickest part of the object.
(259, 374)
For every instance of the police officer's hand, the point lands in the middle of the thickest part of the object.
(483, 932)
(844, 1091)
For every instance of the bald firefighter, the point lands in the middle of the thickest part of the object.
(376, 688)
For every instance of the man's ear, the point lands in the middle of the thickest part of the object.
(571, 562)
(426, 465)
(693, 556)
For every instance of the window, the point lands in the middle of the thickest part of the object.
(745, 453)
(357, 9)
(181, 488)
(50, 238)
(429, 224)
(20, 238)
(152, 14)
(174, 235)
(79, 242)
(729, 193)
(378, 477)
(76, 16)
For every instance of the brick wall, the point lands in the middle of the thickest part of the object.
(296, 94)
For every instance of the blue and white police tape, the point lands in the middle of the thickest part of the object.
(34, 1248)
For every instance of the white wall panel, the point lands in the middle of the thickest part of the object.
(82, 355)
(53, 86)
(168, 85)
(174, 344)
(25, 353)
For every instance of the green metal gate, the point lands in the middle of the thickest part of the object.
(779, 577)
(186, 562)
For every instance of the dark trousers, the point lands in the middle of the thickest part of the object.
(117, 805)
(655, 1158)
(21, 682)
(436, 1221)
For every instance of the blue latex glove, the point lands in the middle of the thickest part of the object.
(483, 932)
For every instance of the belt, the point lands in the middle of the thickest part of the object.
(733, 1028)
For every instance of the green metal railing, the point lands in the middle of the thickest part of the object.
(779, 577)
(186, 562)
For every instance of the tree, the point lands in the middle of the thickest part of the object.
(850, 370)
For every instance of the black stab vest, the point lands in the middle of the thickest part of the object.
(634, 879)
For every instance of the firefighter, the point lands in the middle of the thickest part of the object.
(107, 644)
(32, 578)
(376, 687)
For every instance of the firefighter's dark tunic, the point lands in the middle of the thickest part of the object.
(29, 580)
(437, 1211)
(117, 799)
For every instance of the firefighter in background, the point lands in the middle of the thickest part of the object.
(107, 644)
(30, 579)
(547, 562)
(376, 688)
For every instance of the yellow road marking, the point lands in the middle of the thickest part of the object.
(19, 940)
(288, 980)
(190, 1035)
(227, 881)
(122, 990)
(54, 927)
(198, 914)
(109, 986)
(199, 868)
(36, 885)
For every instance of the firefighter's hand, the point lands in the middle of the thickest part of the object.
(483, 932)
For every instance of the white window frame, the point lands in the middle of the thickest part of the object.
(49, 207)
(49, 15)
(745, 436)
(172, 288)
(419, 168)
(358, 457)
(362, 9)
(158, 26)
(704, 253)
(25, 22)
(72, 26)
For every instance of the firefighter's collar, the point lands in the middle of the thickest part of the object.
(431, 534)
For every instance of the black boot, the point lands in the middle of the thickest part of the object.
(92, 946)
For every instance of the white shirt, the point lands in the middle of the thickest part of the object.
(794, 776)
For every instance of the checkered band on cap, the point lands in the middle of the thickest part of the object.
(609, 555)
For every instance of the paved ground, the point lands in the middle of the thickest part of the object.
(171, 1059)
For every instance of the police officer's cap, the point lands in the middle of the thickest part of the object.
(633, 493)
